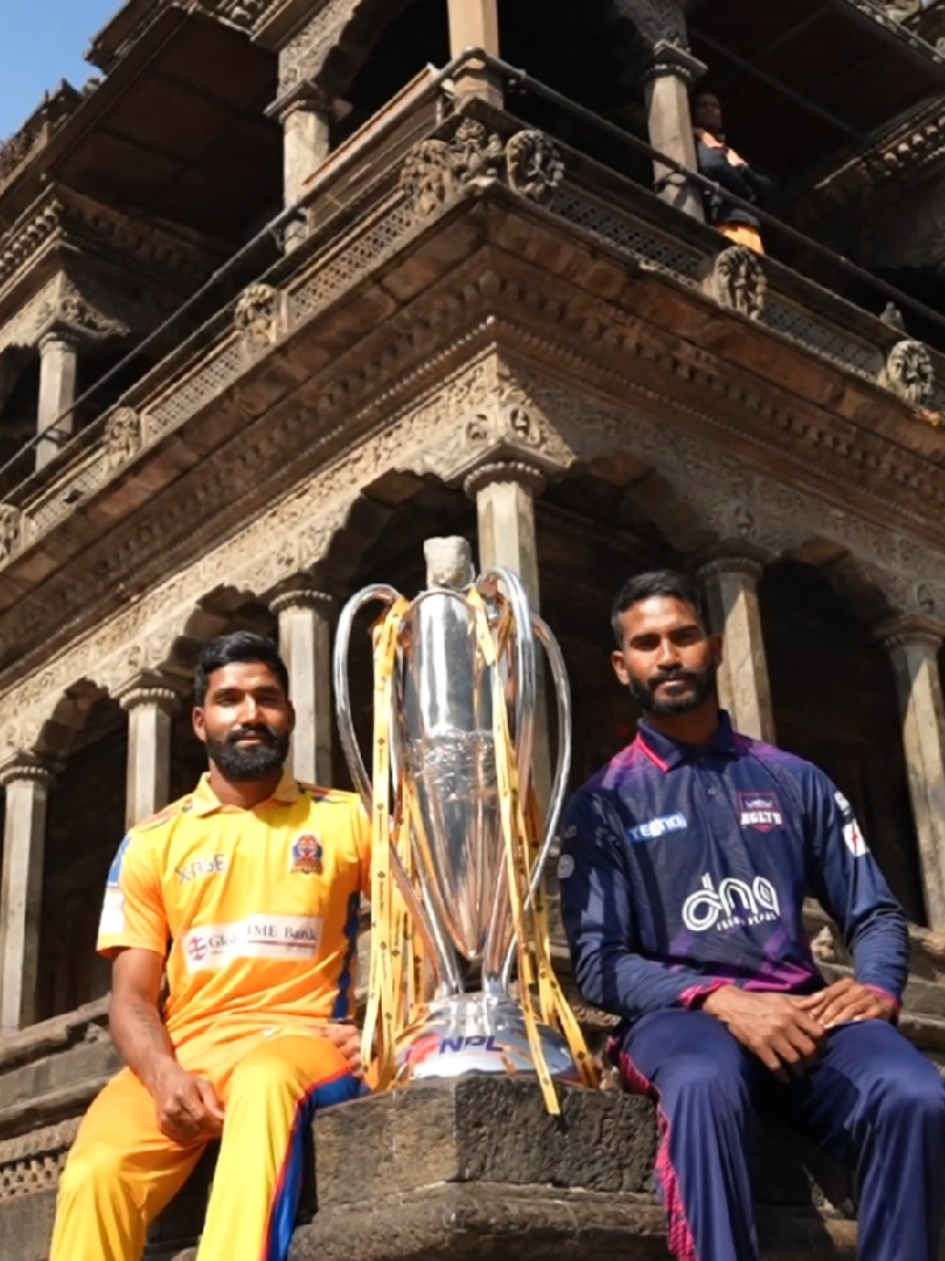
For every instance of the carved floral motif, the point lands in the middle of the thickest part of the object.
(534, 165)
(738, 281)
(10, 519)
(122, 436)
(909, 373)
(256, 316)
(436, 171)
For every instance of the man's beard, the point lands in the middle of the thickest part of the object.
(252, 762)
(702, 683)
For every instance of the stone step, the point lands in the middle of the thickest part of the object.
(471, 1168)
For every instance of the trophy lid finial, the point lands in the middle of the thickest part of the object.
(449, 563)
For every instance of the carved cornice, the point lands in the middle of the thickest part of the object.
(25, 768)
(911, 632)
(55, 109)
(519, 472)
(301, 593)
(129, 24)
(303, 58)
(740, 563)
(61, 218)
(148, 689)
(670, 60)
(658, 23)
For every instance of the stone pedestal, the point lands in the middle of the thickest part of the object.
(58, 367)
(667, 79)
(731, 584)
(476, 1170)
(475, 24)
(26, 782)
(505, 508)
(305, 615)
(914, 651)
(150, 705)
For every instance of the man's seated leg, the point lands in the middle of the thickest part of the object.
(704, 1083)
(879, 1105)
(270, 1099)
(122, 1171)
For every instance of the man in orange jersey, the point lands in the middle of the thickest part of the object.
(247, 892)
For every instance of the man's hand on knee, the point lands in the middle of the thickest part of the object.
(347, 1038)
(785, 1037)
(847, 1001)
(189, 1109)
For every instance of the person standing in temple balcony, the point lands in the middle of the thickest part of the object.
(720, 163)
(684, 867)
(248, 890)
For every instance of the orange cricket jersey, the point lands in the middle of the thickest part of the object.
(256, 910)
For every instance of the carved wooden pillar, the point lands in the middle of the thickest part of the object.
(731, 584)
(913, 648)
(305, 616)
(667, 79)
(150, 703)
(475, 24)
(26, 781)
(505, 493)
(306, 124)
(58, 367)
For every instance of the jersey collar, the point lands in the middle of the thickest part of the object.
(667, 754)
(205, 801)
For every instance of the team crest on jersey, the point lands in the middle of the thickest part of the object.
(307, 855)
(759, 810)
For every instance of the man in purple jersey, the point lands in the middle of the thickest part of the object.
(684, 867)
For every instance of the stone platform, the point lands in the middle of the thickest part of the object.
(476, 1169)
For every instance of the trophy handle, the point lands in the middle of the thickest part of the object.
(526, 671)
(559, 674)
(349, 741)
(448, 979)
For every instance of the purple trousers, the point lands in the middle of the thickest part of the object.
(872, 1100)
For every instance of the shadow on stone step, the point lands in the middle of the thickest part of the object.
(473, 1164)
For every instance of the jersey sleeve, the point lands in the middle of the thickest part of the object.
(847, 880)
(133, 912)
(598, 914)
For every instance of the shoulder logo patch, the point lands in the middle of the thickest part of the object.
(307, 856)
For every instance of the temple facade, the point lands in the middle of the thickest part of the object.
(294, 285)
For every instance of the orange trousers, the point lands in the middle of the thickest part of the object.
(122, 1171)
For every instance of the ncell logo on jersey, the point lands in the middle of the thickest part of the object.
(759, 810)
(733, 904)
(307, 855)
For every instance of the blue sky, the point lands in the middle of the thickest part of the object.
(41, 42)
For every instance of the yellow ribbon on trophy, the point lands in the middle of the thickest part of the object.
(395, 991)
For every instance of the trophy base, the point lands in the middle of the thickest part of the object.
(478, 1033)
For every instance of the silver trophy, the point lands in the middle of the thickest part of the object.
(441, 731)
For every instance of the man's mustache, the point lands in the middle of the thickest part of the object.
(676, 674)
(266, 733)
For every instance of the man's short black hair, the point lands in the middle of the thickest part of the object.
(241, 646)
(660, 582)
